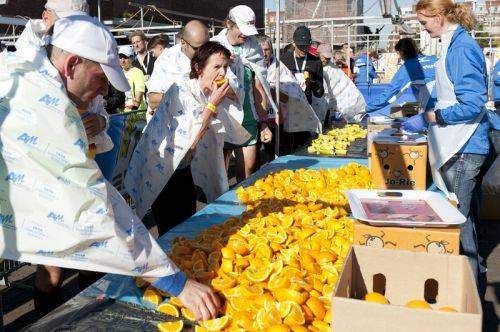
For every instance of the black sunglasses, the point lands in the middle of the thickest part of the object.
(193, 47)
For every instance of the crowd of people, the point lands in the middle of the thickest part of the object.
(203, 101)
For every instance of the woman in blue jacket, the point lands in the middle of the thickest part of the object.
(496, 84)
(458, 127)
(416, 69)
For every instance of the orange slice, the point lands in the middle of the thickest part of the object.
(168, 309)
(171, 326)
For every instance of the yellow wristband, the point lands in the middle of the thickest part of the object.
(212, 107)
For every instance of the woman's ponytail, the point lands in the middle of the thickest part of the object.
(462, 14)
(459, 13)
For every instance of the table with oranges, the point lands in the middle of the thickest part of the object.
(274, 258)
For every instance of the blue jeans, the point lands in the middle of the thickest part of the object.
(460, 175)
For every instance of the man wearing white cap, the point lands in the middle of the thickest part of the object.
(74, 219)
(248, 65)
(32, 41)
(33, 37)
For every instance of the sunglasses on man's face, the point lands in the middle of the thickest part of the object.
(122, 56)
(195, 48)
(303, 48)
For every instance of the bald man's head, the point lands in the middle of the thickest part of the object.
(193, 35)
(196, 33)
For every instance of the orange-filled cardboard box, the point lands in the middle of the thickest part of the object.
(396, 165)
(402, 276)
(431, 240)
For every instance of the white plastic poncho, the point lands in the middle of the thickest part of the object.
(30, 46)
(299, 115)
(250, 55)
(169, 136)
(55, 206)
(341, 93)
(170, 67)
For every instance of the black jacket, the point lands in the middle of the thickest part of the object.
(314, 84)
(114, 100)
(149, 62)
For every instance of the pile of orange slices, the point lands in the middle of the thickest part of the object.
(276, 265)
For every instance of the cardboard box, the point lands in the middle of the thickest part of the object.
(431, 240)
(372, 129)
(402, 276)
(398, 166)
(406, 110)
(376, 128)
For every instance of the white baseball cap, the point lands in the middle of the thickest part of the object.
(85, 36)
(127, 50)
(244, 17)
(66, 8)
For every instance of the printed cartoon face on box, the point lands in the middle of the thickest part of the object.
(377, 240)
(397, 166)
(433, 246)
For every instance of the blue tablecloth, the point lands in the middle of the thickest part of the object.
(123, 288)
(107, 161)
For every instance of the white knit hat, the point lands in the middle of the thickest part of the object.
(65, 8)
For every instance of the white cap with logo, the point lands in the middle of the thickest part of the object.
(88, 38)
(126, 50)
(244, 17)
(66, 8)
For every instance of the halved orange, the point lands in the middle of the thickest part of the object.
(316, 307)
(258, 274)
(221, 284)
(278, 281)
(168, 309)
(295, 316)
(216, 324)
(171, 326)
(175, 301)
(263, 251)
(188, 314)
(250, 291)
(153, 296)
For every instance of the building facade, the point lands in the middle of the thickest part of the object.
(328, 31)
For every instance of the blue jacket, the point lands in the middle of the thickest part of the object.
(466, 69)
(496, 82)
(419, 68)
(362, 68)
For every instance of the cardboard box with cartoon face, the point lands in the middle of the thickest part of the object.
(395, 165)
(430, 240)
(402, 276)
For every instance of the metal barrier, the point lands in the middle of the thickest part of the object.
(6, 268)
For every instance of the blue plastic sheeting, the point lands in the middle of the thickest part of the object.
(123, 287)
(371, 92)
(107, 160)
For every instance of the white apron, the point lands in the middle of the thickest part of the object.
(444, 142)
(299, 115)
(167, 139)
(250, 55)
(342, 94)
(56, 208)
